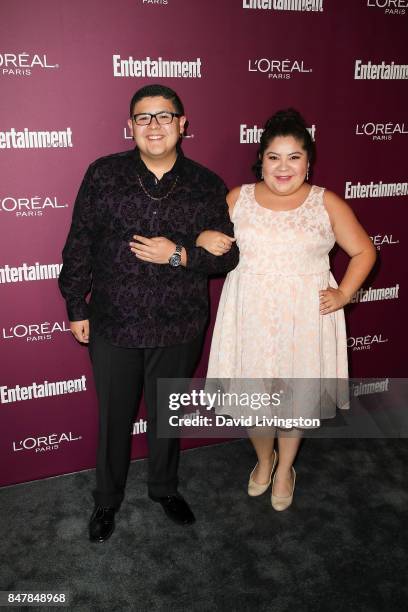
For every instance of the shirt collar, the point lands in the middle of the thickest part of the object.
(147, 175)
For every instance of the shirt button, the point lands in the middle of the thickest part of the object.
(155, 212)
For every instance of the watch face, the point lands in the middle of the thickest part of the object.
(175, 260)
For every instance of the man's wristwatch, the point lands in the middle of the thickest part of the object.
(175, 259)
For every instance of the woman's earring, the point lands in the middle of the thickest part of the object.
(307, 172)
(261, 174)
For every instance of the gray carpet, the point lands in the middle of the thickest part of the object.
(341, 546)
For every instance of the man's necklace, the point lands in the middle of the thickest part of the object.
(153, 197)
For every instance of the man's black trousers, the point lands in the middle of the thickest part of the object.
(121, 374)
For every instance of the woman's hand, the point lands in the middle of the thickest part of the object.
(215, 242)
(332, 299)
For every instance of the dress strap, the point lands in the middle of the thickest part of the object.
(315, 197)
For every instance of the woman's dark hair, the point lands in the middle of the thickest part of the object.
(287, 122)
(150, 91)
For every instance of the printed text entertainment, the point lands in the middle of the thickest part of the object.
(45, 389)
(380, 71)
(375, 190)
(27, 139)
(156, 68)
(284, 5)
(24, 272)
(374, 295)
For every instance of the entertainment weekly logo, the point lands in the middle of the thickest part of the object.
(391, 7)
(381, 131)
(284, 5)
(374, 190)
(383, 71)
(28, 139)
(376, 295)
(44, 444)
(156, 68)
(34, 332)
(380, 240)
(252, 135)
(24, 64)
(23, 273)
(278, 68)
(365, 343)
(10, 395)
(34, 206)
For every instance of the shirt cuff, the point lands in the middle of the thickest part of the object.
(78, 310)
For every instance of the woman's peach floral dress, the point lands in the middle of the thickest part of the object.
(268, 323)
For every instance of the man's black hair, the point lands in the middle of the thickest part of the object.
(151, 91)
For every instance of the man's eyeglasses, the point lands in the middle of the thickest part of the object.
(162, 118)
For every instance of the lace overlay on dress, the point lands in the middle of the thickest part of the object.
(268, 322)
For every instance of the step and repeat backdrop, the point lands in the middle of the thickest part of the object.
(68, 70)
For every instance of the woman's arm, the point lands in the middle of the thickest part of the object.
(215, 242)
(354, 240)
(232, 198)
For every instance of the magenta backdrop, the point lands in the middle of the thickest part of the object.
(56, 72)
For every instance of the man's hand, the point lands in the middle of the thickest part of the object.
(80, 329)
(156, 250)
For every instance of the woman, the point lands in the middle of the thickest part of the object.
(281, 314)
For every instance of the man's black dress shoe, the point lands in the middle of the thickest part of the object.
(102, 524)
(176, 508)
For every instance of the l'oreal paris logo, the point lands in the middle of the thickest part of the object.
(34, 332)
(41, 444)
(33, 206)
(364, 343)
(380, 131)
(23, 64)
(278, 69)
(391, 7)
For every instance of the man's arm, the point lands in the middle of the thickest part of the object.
(76, 275)
(215, 217)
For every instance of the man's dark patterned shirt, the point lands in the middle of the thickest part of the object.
(134, 303)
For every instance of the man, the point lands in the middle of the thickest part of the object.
(132, 240)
